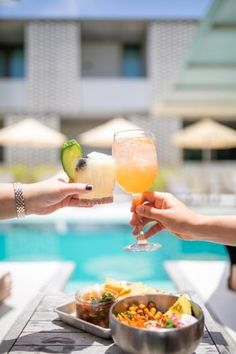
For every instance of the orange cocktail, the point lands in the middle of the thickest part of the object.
(136, 164)
(136, 168)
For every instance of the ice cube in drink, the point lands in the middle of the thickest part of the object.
(99, 170)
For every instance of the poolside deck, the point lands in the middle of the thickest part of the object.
(32, 277)
(29, 279)
(208, 279)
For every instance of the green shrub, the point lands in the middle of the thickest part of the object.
(160, 182)
(21, 173)
(30, 174)
(42, 172)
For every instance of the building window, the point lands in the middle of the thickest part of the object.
(132, 62)
(192, 155)
(216, 155)
(12, 62)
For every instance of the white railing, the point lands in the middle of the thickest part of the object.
(96, 96)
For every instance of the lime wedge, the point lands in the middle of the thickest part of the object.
(180, 307)
(71, 151)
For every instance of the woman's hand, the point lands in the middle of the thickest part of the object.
(165, 212)
(47, 196)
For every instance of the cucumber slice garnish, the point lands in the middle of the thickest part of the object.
(71, 151)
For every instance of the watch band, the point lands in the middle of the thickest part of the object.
(19, 200)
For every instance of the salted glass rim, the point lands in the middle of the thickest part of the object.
(121, 132)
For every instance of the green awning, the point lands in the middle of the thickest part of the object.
(206, 84)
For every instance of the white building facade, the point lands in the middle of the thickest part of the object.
(73, 75)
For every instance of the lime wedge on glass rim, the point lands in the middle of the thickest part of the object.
(71, 151)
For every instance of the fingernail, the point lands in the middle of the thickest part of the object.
(89, 187)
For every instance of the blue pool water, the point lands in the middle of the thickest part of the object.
(97, 251)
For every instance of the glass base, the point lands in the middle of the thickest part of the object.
(94, 201)
(143, 247)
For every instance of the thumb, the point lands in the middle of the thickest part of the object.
(76, 188)
(150, 212)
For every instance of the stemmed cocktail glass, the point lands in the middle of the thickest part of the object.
(136, 169)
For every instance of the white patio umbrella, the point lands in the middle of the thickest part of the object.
(31, 133)
(102, 135)
(206, 135)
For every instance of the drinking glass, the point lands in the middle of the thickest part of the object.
(136, 169)
(99, 170)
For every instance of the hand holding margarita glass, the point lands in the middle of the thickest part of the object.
(136, 169)
(96, 169)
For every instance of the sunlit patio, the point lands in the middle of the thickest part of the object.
(85, 73)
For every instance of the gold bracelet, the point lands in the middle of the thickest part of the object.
(19, 199)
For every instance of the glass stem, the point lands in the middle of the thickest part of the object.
(141, 240)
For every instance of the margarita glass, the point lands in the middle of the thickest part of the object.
(96, 169)
(136, 169)
(99, 170)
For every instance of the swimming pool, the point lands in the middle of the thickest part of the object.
(97, 251)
